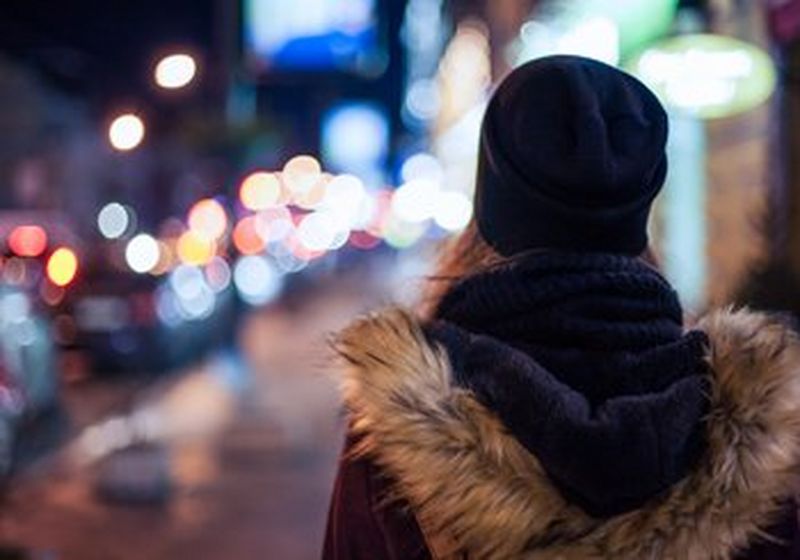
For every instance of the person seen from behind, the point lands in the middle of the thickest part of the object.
(551, 403)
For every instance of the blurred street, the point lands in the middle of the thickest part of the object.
(244, 471)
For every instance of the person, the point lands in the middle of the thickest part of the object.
(551, 403)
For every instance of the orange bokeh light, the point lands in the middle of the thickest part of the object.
(246, 237)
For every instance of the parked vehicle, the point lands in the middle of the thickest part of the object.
(126, 322)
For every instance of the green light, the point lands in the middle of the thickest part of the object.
(400, 234)
(639, 21)
(707, 76)
(607, 30)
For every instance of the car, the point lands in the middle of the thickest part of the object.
(120, 321)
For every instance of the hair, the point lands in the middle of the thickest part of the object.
(461, 256)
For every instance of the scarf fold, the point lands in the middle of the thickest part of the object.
(585, 360)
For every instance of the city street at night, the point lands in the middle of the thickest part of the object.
(399, 280)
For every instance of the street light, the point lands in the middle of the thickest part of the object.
(175, 71)
(126, 132)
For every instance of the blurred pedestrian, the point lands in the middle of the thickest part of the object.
(552, 403)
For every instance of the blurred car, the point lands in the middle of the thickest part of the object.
(119, 321)
(28, 377)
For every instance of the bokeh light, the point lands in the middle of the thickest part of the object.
(126, 132)
(208, 219)
(201, 306)
(246, 238)
(62, 266)
(423, 100)
(256, 280)
(187, 281)
(453, 210)
(415, 201)
(274, 224)
(318, 231)
(28, 241)
(312, 197)
(175, 71)
(401, 234)
(166, 259)
(355, 137)
(195, 298)
(194, 249)
(218, 274)
(142, 253)
(113, 220)
(301, 174)
(51, 294)
(167, 308)
(345, 196)
(381, 212)
(422, 166)
(260, 190)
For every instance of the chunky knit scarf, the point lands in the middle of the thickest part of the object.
(584, 358)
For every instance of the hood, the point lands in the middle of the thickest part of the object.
(644, 436)
(585, 360)
(471, 483)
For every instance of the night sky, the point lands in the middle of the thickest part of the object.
(101, 49)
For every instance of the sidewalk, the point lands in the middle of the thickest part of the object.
(244, 463)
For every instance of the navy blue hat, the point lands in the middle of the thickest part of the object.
(572, 154)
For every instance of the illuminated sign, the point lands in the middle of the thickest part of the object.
(606, 30)
(313, 35)
(707, 76)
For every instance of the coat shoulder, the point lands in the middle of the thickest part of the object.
(465, 476)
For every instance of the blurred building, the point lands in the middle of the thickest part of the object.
(392, 92)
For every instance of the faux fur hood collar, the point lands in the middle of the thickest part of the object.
(468, 480)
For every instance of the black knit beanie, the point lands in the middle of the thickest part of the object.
(572, 154)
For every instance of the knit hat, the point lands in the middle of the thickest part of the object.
(572, 154)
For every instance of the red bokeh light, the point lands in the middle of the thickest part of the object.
(28, 241)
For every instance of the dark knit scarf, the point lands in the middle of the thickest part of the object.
(584, 359)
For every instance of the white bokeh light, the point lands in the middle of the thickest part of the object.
(126, 132)
(415, 201)
(199, 306)
(186, 281)
(344, 197)
(453, 210)
(422, 166)
(142, 253)
(113, 220)
(194, 298)
(256, 280)
(175, 71)
(321, 231)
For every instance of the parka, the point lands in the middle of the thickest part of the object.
(430, 472)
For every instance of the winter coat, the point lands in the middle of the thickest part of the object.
(430, 472)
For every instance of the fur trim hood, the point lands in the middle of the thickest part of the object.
(471, 483)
